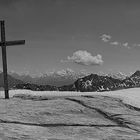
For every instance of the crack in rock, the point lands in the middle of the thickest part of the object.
(130, 106)
(119, 121)
(57, 125)
(87, 96)
(115, 115)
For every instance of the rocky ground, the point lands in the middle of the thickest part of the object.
(68, 118)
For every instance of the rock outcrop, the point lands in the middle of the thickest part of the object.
(68, 118)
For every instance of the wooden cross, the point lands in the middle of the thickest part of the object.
(3, 45)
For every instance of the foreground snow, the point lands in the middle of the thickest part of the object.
(129, 96)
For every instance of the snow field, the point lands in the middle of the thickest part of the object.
(129, 96)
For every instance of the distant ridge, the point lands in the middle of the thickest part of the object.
(89, 83)
(55, 78)
(12, 82)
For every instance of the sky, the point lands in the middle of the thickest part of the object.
(92, 35)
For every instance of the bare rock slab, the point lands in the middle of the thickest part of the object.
(68, 118)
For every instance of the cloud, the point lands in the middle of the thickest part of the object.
(105, 37)
(85, 58)
(126, 45)
(136, 45)
(115, 43)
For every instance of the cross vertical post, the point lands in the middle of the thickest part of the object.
(4, 59)
(3, 45)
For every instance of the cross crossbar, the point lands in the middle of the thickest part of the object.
(13, 43)
(3, 45)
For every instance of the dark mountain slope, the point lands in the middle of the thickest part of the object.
(12, 82)
(95, 82)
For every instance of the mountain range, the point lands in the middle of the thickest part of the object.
(56, 78)
(94, 82)
(73, 82)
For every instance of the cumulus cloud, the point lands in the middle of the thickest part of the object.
(105, 37)
(85, 58)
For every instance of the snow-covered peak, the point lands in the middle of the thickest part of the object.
(65, 73)
(118, 75)
(61, 77)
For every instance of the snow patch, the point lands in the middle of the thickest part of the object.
(129, 96)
